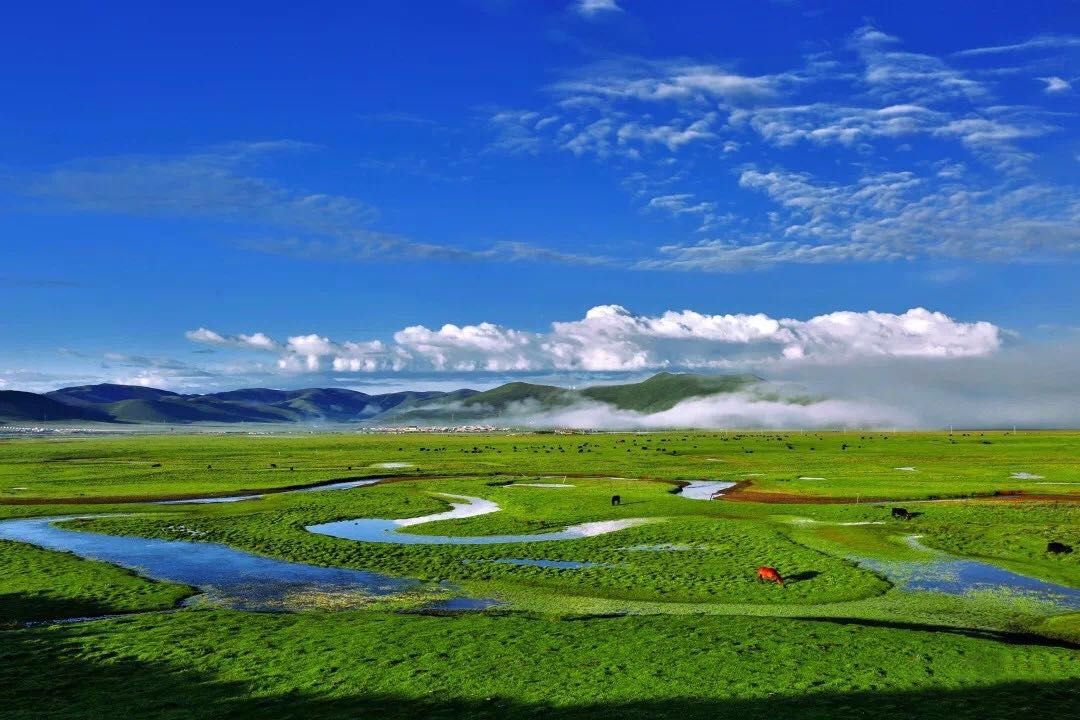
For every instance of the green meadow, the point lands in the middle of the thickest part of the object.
(668, 618)
(850, 464)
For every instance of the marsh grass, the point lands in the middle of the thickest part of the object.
(671, 622)
(946, 465)
(38, 584)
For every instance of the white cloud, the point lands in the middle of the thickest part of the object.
(609, 338)
(590, 8)
(259, 341)
(684, 204)
(670, 136)
(735, 410)
(1055, 84)
(1039, 42)
(255, 341)
(891, 216)
(467, 348)
(897, 76)
(202, 335)
(663, 81)
(666, 125)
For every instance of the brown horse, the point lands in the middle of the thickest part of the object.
(769, 574)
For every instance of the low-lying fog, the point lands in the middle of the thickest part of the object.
(1025, 386)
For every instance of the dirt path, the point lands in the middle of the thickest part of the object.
(740, 492)
(247, 492)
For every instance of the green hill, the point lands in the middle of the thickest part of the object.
(660, 392)
(666, 390)
(132, 404)
(105, 393)
(26, 407)
(469, 405)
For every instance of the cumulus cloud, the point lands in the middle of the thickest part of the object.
(609, 338)
(471, 347)
(255, 341)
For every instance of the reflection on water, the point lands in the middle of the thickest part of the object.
(208, 501)
(386, 531)
(235, 578)
(461, 604)
(343, 485)
(704, 489)
(954, 576)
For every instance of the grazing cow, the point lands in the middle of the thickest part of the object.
(768, 574)
(156, 465)
(1058, 548)
(901, 514)
(273, 466)
(616, 500)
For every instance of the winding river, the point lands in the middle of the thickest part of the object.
(246, 581)
(252, 582)
(386, 531)
(231, 577)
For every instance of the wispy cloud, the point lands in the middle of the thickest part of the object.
(222, 185)
(592, 8)
(23, 281)
(888, 217)
(1039, 42)
(929, 160)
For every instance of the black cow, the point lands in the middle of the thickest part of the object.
(273, 465)
(616, 500)
(1058, 548)
(901, 514)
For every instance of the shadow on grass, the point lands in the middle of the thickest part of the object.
(45, 678)
(1011, 638)
(801, 576)
(17, 608)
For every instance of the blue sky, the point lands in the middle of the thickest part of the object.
(752, 184)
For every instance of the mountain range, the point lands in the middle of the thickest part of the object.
(137, 405)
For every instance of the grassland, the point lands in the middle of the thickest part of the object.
(669, 622)
(221, 664)
(849, 464)
(37, 584)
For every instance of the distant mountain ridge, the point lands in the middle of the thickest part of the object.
(136, 404)
(660, 392)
